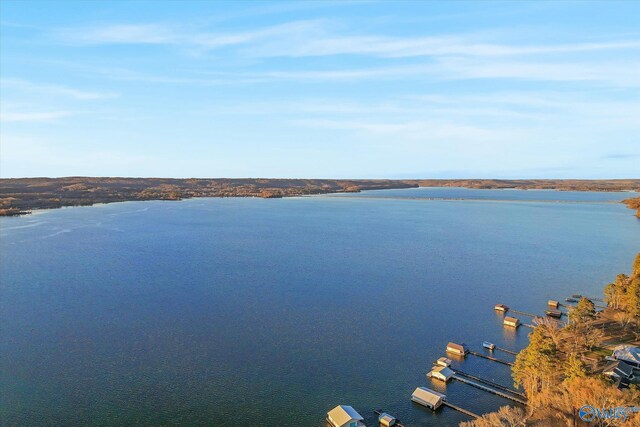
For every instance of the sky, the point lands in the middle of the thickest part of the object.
(311, 89)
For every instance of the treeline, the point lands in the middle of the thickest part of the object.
(551, 369)
(18, 196)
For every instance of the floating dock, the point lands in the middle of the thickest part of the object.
(493, 359)
(489, 389)
(396, 422)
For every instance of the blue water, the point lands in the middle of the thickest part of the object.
(250, 312)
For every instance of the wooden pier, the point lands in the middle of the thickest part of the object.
(490, 383)
(459, 409)
(489, 389)
(524, 313)
(507, 351)
(494, 359)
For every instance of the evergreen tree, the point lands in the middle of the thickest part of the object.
(534, 368)
(574, 367)
(583, 311)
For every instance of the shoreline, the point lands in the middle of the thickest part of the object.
(22, 196)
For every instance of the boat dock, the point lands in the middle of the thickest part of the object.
(379, 412)
(490, 383)
(524, 313)
(459, 409)
(507, 351)
(489, 389)
(493, 359)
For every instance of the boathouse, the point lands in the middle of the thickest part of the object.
(443, 361)
(501, 307)
(511, 321)
(441, 373)
(553, 313)
(459, 349)
(427, 397)
(386, 420)
(553, 303)
(344, 416)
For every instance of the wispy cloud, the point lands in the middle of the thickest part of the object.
(53, 89)
(309, 38)
(41, 116)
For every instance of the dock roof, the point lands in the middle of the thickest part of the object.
(441, 372)
(427, 395)
(457, 347)
(343, 414)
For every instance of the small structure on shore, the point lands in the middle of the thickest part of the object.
(441, 373)
(344, 416)
(427, 397)
(511, 321)
(552, 312)
(553, 303)
(443, 361)
(459, 349)
(386, 420)
(501, 307)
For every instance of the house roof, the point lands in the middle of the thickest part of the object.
(509, 319)
(627, 352)
(619, 367)
(342, 414)
(427, 395)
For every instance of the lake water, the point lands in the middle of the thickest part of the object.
(252, 312)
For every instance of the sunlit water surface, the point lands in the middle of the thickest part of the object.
(252, 312)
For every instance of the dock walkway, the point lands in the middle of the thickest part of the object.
(494, 359)
(514, 353)
(489, 382)
(459, 409)
(524, 313)
(488, 389)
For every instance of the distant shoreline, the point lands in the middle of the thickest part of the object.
(19, 196)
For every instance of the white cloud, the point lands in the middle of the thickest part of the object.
(50, 89)
(308, 38)
(42, 116)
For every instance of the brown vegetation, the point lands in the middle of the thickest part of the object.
(633, 203)
(18, 196)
